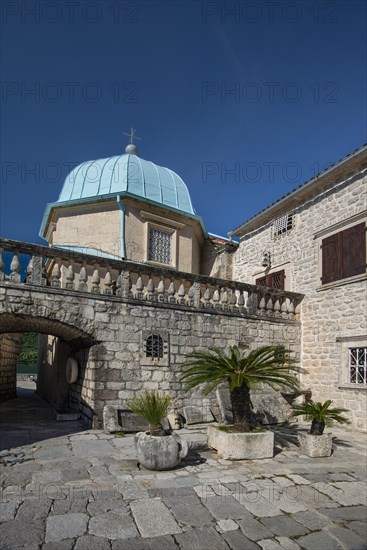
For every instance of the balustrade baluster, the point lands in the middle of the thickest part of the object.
(181, 294)
(284, 308)
(291, 307)
(262, 304)
(241, 302)
(150, 290)
(96, 279)
(216, 304)
(160, 290)
(70, 276)
(56, 275)
(2, 265)
(139, 294)
(15, 269)
(277, 306)
(224, 299)
(269, 305)
(83, 278)
(108, 290)
(207, 297)
(233, 299)
(171, 293)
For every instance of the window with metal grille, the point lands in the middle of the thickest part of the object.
(283, 224)
(272, 280)
(160, 246)
(357, 365)
(154, 346)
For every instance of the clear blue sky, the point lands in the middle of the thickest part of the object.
(272, 91)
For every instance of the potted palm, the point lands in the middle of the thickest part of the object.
(316, 444)
(265, 365)
(156, 449)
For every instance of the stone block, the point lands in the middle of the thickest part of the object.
(241, 446)
(315, 446)
(153, 518)
(116, 420)
(197, 415)
(225, 406)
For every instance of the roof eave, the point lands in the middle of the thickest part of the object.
(293, 196)
(50, 207)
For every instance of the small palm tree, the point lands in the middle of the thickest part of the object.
(267, 364)
(320, 414)
(151, 406)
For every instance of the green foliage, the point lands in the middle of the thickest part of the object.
(320, 412)
(150, 405)
(27, 359)
(267, 364)
(119, 434)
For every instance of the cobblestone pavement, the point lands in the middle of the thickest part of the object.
(82, 490)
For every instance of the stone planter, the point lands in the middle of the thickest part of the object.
(160, 452)
(241, 446)
(315, 446)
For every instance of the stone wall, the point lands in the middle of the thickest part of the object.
(10, 347)
(333, 316)
(107, 337)
(120, 366)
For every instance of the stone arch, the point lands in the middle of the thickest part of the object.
(73, 335)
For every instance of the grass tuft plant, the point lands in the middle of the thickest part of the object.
(153, 407)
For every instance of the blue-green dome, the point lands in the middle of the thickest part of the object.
(127, 174)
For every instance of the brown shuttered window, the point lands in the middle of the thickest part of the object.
(344, 254)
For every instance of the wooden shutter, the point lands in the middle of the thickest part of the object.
(331, 258)
(276, 280)
(261, 281)
(354, 250)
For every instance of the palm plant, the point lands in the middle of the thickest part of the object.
(267, 364)
(151, 406)
(320, 414)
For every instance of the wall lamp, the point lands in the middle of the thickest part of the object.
(266, 263)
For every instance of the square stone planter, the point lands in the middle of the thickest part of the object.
(315, 446)
(241, 446)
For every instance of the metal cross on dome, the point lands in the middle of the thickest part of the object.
(132, 135)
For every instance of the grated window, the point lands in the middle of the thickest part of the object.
(154, 346)
(358, 365)
(160, 246)
(283, 224)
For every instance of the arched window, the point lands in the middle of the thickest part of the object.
(154, 346)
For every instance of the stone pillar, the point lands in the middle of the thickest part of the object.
(10, 347)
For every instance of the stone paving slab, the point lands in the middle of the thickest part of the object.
(83, 490)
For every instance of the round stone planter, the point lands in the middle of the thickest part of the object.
(241, 446)
(160, 452)
(315, 446)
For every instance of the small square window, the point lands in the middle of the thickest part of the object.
(283, 225)
(160, 246)
(154, 346)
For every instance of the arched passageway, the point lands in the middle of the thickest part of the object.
(57, 341)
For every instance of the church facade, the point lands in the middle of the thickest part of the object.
(312, 242)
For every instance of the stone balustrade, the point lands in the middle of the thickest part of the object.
(70, 271)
